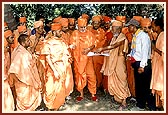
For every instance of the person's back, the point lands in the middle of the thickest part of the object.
(56, 55)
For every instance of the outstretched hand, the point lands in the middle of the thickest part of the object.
(99, 50)
(85, 51)
(140, 70)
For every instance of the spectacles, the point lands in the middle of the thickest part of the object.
(82, 26)
(40, 28)
(21, 23)
(149, 27)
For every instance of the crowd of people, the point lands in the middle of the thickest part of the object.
(45, 64)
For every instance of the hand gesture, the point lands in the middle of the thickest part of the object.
(99, 50)
(70, 59)
(85, 51)
(140, 70)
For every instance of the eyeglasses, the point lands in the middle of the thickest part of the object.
(82, 26)
(149, 27)
(40, 28)
(22, 23)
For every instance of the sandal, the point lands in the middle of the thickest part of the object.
(121, 107)
(94, 98)
(78, 99)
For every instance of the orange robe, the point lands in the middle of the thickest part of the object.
(83, 65)
(16, 35)
(70, 32)
(66, 38)
(55, 90)
(8, 97)
(108, 37)
(69, 82)
(157, 81)
(98, 60)
(27, 82)
(114, 67)
(40, 59)
(130, 69)
(71, 52)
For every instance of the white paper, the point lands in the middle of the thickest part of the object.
(98, 54)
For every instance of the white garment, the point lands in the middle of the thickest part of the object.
(143, 48)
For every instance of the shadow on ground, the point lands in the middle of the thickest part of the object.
(105, 103)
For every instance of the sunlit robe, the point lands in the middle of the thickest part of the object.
(26, 80)
(114, 67)
(157, 81)
(83, 65)
(8, 97)
(98, 60)
(55, 89)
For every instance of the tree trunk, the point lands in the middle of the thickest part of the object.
(9, 18)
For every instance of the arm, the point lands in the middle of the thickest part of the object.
(145, 42)
(87, 50)
(156, 49)
(113, 46)
(11, 80)
(99, 50)
(35, 44)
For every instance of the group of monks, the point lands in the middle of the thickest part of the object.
(47, 65)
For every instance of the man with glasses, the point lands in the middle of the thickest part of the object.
(108, 37)
(71, 25)
(83, 41)
(39, 17)
(100, 38)
(146, 24)
(141, 62)
(114, 65)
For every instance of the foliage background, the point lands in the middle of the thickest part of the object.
(50, 11)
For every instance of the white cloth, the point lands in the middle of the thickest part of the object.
(143, 49)
(98, 54)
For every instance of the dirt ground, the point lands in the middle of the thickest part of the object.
(105, 103)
